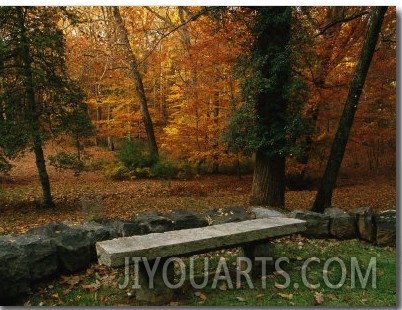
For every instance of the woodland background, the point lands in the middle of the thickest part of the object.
(189, 119)
(186, 59)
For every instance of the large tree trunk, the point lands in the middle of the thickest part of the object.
(32, 114)
(268, 181)
(139, 87)
(324, 194)
(272, 42)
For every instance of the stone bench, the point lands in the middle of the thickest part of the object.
(248, 234)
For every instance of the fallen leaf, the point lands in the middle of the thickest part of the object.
(319, 298)
(90, 287)
(200, 295)
(260, 295)
(102, 298)
(70, 280)
(287, 296)
(331, 296)
(280, 286)
(223, 287)
(240, 299)
(326, 272)
(67, 291)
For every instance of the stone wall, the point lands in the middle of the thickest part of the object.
(66, 248)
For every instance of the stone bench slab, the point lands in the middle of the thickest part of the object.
(196, 240)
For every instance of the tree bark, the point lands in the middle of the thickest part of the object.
(32, 114)
(268, 180)
(324, 194)
(139, 87)
(272, 42)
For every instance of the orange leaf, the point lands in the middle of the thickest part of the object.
(287, 296)
(319, 298)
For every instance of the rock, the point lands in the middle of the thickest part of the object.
(260, 212)
(227, 215)
(262, 258)
(95, 232)
(41, 253)
(385, 224)
(122, 228)
(184, 219)
(342, 224)
(175, 243)
(73, 246)
(14, 272)
(152, 223)
(98, 232)
(365, 225)
(317, 223)
(158, 293)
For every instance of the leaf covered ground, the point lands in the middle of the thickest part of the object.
(284, 286)
(20, 194)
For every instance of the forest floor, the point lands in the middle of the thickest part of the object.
(20, 191)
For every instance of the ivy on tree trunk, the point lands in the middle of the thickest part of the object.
(272, 31)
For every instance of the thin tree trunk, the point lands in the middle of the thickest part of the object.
(32, 114)
(324, 194)
(216, 110)
(326, 65)
(139, 87)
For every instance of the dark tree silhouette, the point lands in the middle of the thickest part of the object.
(328, 181)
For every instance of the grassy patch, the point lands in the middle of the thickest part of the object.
(327, 280)
(284, 286)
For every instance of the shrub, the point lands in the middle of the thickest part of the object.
(144, 172)
(184, 171)
(5, 166)
(130, 153)
(63, 160)
(164, 169)
(97, 165)
(119, 172)
(133, 155)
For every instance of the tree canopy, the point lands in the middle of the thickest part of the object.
(218, 83)
(37, 97)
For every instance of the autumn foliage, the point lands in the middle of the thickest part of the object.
(186, 60)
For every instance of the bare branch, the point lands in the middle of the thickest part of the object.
(342, 20)
(194, 17)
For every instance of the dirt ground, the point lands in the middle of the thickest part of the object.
(20, 192)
